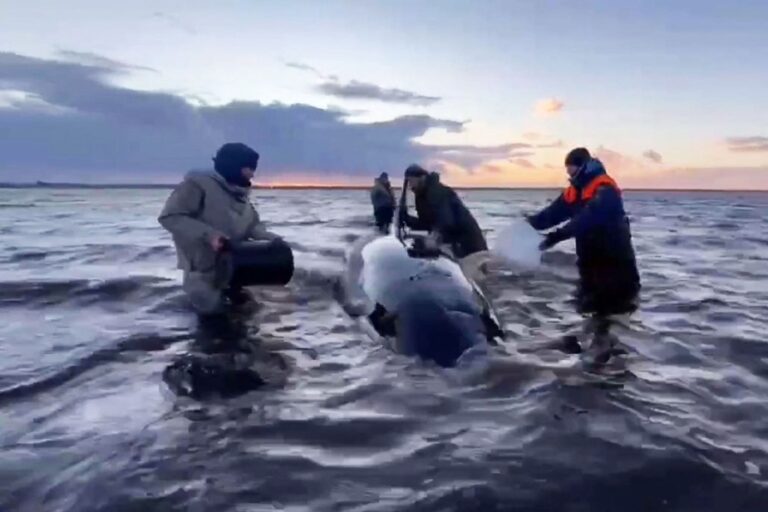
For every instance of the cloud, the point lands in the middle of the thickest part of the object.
(469, 156)
(522, 162)
(548, 107)
(99, 61)
(304, 67)
(175, 22)
(494, 169)
(653, 156)
(97, 131)
(532, 136)
(356, 90)
(620, 164)
(551, 145)
(747, 144)
(704, 178)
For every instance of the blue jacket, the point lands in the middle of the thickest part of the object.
(594, 209)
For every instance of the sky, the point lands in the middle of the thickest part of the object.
(487, 92)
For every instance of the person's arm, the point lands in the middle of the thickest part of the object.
(415, 223)
(179, 216)
(259, 231)
(606, 202)
(556, 213)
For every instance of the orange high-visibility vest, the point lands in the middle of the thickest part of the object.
(571, 194)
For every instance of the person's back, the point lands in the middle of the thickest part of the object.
(440, 209)
(383, 201)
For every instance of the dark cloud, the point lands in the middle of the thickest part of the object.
(100, 131)
(653, 156)
(355, 90)
(747, 144)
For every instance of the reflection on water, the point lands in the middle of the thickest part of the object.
(93, 317)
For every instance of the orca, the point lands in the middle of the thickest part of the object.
(418, 301)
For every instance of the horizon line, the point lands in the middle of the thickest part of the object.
(285, 186)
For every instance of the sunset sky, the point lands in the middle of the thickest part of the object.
(490, 93)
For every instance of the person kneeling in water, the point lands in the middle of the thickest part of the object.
(608, 278)
(204, 214)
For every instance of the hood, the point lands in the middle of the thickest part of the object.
(433, 179)
(592, 169)
(206, 177)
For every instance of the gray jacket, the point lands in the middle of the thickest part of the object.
(203, 205)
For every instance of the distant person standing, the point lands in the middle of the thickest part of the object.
(608, 278)
(441, 212)
(383, 200)
(206, 212)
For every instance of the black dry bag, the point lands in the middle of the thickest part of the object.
(261, 263)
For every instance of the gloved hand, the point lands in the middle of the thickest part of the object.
(550, 240)
(528, 218)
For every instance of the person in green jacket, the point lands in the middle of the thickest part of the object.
(206, 212)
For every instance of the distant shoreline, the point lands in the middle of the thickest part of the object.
(146, 186)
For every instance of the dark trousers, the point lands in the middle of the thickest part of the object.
(383, 216)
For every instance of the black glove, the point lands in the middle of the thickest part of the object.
(550, 240)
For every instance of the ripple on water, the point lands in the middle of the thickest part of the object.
(89, 425)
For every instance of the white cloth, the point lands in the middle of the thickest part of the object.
(518, 244)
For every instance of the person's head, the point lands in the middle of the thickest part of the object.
(236, 163)
(416, 177)
(576, 160)
(384, 178)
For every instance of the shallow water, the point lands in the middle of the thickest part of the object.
(92, 313)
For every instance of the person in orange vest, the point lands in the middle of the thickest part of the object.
(608, 278)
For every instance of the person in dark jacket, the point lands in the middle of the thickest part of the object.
(442, 213)
(608, 278)
(383, 200)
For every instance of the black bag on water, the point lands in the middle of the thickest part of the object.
(261, 263)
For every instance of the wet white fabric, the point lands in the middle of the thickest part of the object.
(518, 244)
(387, 269)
